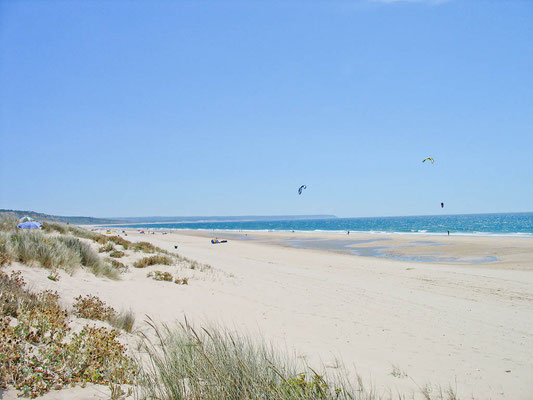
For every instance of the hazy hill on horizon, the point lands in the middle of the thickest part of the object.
(224, 218)
(82, 220)
(58, 218)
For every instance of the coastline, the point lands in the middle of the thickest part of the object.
(491, 251)
(501, 225)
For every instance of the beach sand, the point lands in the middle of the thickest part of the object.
(464, 324)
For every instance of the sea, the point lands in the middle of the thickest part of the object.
(502, 224)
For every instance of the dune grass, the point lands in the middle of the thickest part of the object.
(8, 223)
(52, 252)
(185, 363)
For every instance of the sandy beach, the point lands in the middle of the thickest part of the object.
(399, 324)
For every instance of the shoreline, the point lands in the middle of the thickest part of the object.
(484, 251)
(318, 231)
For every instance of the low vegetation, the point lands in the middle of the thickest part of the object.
(160, 276)
(116, 254)
(153, 260)
(92, 307)
(167, 276)
(39, 353)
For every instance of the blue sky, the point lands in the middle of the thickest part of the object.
(131, 108)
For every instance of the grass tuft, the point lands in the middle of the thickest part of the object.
(125, 321)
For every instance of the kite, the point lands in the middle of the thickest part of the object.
(441, 205)
(428, 159)
(301, 188)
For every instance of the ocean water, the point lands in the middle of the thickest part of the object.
(519, 224)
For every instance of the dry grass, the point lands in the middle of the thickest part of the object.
(106, 248)
(116, 254)
(153, 260)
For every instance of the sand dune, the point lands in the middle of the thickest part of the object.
(470, 326)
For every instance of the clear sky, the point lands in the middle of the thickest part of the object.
(131, 108)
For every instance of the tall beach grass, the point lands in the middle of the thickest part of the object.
(214, 364)
(52, 252)
(183, 363)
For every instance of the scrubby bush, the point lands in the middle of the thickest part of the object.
(37, 351)
(92, 307)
